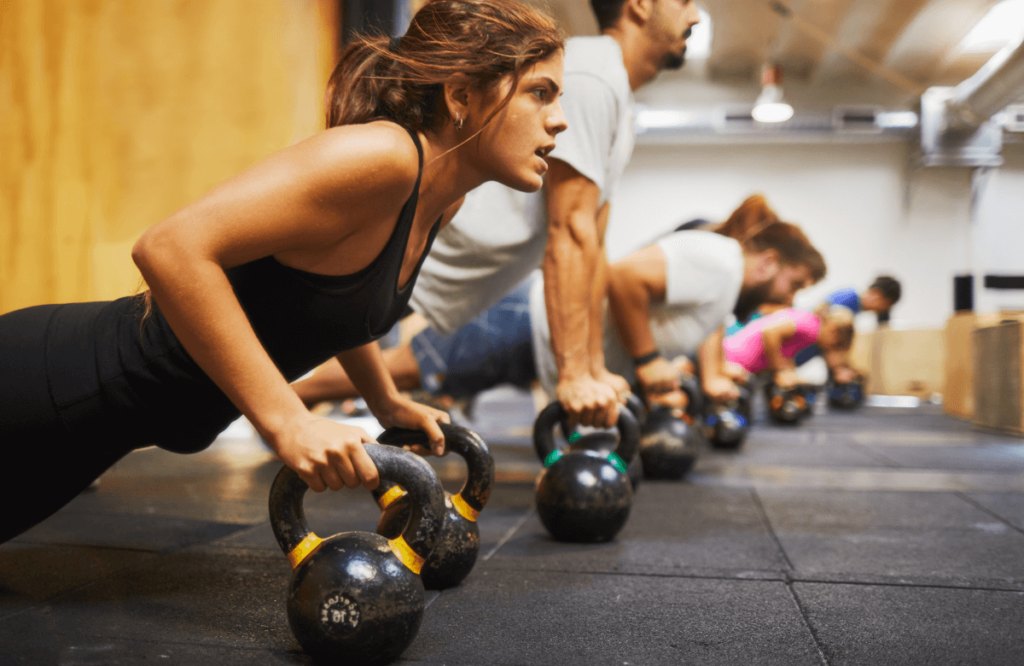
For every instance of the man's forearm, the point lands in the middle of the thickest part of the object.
(570, 265)
(712, 355)
(597, 297)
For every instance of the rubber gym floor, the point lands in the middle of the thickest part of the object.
(882, 536)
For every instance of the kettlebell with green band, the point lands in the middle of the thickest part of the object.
(585, 495)
(357, 597)
(606, 442)
(458, 544)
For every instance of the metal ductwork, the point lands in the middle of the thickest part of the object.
(735, 124)
(958, 125)
(998, 83)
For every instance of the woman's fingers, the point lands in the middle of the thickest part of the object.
(364, 472)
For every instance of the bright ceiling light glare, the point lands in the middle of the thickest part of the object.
(661, 119)
(1002, 25)
(698, 45)
(897, 120)
(776, 112)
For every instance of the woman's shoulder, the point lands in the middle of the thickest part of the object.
(381, 153)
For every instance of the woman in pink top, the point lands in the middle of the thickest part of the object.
(771, 342)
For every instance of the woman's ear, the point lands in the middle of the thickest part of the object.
(457, 97)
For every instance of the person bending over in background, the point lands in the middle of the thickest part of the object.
(309, 254)
(675, 292)
(879, 298)
(770, 342)
(673, 297)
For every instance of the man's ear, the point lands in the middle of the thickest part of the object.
(457, 93)
(767, 265)
(639, 11)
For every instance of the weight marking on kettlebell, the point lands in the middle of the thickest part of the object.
(406, 555)
(339, 612)
(465, 510)
(390, 496)
(304, 549)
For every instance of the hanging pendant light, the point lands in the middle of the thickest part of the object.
(770, 107)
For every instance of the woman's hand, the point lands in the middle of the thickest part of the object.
(327, 454)
(786, 378)
(401, 412)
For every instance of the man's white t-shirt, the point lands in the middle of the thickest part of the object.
(703, 276)
(499, 234)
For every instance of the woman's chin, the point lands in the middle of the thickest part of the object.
(527, 183)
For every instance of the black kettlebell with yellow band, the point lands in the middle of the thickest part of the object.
(458, 544)
(357, 597)
(585, 495)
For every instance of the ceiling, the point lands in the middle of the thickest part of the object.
(904, 46)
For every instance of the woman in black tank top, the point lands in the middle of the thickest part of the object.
(310, 254)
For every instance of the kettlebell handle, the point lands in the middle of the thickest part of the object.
(467, 444)
(288, 519)
(544, 432)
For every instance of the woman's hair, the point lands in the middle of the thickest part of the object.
(841, 318)
(403, 79)
(758, 228)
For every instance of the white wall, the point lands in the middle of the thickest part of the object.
(861, 205)
(998, 238)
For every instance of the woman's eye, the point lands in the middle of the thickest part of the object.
(541, 93)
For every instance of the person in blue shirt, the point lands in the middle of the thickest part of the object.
(880, 297)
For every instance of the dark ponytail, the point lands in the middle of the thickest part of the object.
(403, 80)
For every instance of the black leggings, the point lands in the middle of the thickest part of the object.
(40, 451)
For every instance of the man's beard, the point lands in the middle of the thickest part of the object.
(750, 299)
(674, 60)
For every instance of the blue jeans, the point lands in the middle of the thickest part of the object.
(495, 348)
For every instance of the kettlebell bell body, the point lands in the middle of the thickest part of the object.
(667, 445)
(727, 425)
(785, 405)
(357, 597)
(849, 395)
(458, 544)
(584, 496)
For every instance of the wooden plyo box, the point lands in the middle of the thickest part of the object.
(998, 355)
(901, 362)
(958, 387)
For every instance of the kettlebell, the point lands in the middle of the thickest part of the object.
(667, 446)
(690, 385)
(726, 425)
(785, 405)
(583, 496)
(810, 396)
(606, 442)
(458, 544)
(357, 597)
(849, 395)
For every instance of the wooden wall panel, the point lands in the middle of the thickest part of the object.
(114, 113)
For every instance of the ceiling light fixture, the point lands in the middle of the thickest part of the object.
(770, 107)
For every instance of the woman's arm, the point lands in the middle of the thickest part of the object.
(300, 205)
(773, 336)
